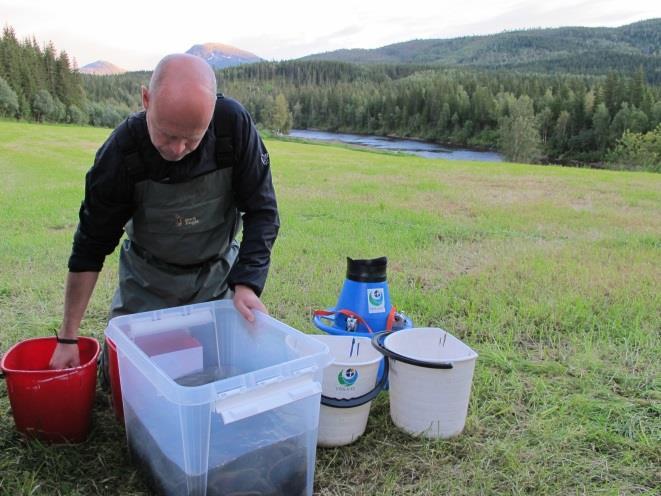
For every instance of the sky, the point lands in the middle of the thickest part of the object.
(136, 34)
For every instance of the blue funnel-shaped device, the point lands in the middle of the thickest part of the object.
(364, 304)
(365, 293)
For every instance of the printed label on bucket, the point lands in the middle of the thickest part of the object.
(375, 300)
(347, 378)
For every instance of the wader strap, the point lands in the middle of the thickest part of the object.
(225, 156)
(224, 152)
(130, 148)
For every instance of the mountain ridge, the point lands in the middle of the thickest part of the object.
(220, 55)
(101, 68)
(521, 49)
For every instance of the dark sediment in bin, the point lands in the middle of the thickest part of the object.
(208, 375)
(277, 469)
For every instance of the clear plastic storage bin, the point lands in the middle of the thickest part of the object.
(216, 405)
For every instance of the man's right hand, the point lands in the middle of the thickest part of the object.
(65, 356)
(77, 295)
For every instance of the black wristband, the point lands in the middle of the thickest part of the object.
(65, 340)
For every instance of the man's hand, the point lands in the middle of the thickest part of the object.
(65, 356)
(77, 294)
(245, 301)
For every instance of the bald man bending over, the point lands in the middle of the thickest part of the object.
(180, 178)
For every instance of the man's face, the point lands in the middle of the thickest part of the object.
(171, 142)
(173, 138)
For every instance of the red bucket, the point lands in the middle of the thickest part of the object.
(52, 405)
(115, 386)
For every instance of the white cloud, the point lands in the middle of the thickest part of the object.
(135, 35)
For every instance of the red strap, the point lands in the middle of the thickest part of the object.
(347, 313)
(323, 313)
(391, 318)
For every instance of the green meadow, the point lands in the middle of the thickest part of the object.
(553, 275)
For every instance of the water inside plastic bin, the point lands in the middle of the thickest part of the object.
(239, 411)
(239, 463)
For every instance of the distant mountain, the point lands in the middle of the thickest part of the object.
(572, 49)
(220, 56)
(101, 68)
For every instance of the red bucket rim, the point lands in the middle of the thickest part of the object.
(92, 360)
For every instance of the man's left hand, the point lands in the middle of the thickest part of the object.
(245, 301)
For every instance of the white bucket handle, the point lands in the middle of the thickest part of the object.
(378, 343)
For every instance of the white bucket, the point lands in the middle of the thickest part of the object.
(348, 386)
(431, 373)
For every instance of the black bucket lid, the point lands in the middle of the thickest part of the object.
(372, 270)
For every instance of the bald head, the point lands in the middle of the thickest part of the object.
(179, 103)
(183, 67)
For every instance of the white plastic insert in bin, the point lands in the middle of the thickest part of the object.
(250, 407)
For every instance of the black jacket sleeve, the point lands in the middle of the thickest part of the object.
(107, 206)
(255, 198)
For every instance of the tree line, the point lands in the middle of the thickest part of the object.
(38, 83)
(529, 117)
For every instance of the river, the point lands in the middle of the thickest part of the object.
(421, 148)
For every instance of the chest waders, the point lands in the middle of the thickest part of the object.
(180, 245)
(181, 241)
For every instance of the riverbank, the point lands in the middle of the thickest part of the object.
(448, 151)
(417, 147)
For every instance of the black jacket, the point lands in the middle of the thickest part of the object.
(109, 185)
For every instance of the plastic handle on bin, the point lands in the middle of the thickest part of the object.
(261, 399)
(168, 323)
(378, 343)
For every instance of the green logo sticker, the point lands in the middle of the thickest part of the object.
(347, 377)
(376, 300)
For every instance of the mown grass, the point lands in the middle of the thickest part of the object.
(551, 274)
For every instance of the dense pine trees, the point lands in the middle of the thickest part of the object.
(566, 119)
(46, 85)
(529, 117)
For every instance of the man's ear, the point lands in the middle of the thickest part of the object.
(145, 97)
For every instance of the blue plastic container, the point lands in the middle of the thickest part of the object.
(364, 305)
(371, 300)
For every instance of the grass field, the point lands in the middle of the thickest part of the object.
(553, 275)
